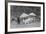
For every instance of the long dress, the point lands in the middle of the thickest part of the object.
(18, 20)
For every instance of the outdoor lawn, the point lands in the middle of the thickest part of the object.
(36, 24)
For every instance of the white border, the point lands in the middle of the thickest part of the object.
(24, 29)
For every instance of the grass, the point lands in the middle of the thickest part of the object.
(35, 24)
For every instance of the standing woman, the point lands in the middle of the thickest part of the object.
(18, 20)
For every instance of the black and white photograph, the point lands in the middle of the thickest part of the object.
(25, 17)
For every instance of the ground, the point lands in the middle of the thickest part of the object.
(35, 24)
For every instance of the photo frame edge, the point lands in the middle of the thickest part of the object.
(25, 2)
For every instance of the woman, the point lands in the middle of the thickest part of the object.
(18, 20)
